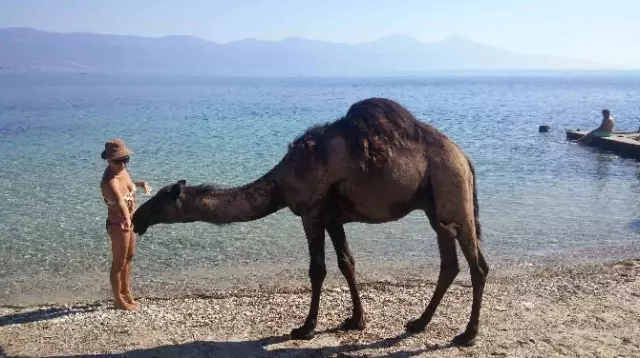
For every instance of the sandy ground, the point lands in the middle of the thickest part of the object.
(585, 311)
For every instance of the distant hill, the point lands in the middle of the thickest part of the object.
(29, 49)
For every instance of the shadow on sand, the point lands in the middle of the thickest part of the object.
(260, 348)
(44, 314)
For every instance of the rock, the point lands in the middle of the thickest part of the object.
(544, 129)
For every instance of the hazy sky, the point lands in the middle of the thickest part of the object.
(601, 30)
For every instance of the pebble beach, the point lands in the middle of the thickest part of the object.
(578, 310)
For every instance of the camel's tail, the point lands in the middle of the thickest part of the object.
(475, 201)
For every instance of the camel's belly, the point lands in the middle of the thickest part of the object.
(387, 197)
(347, 215)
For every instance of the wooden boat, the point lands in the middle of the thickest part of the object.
(625, 144)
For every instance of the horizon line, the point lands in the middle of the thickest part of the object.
(603, 65)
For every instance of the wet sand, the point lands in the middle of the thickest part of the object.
(579, 310)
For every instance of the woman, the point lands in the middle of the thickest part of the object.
(118, 192)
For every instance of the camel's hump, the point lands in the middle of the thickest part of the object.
(372, 128)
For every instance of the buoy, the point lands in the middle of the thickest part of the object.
(544, 129)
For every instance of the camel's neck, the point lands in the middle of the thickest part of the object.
(245, 203)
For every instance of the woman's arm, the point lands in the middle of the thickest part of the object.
(124, 211)
(140, 184)
(143, 184)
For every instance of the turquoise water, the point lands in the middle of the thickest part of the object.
(541, 198)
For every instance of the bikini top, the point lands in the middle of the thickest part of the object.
(129, 198)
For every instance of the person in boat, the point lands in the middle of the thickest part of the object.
(604, 130)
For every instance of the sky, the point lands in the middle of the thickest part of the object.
(604, 31)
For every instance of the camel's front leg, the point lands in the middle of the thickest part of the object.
(347, 267)
(314, 228)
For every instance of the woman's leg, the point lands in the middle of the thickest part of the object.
(125, 288)
(119, 246)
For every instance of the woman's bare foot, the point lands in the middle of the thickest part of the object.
(128, 298)
(123, 305)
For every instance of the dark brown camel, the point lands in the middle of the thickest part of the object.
(376, 164)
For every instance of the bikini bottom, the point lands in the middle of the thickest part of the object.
(113, 223)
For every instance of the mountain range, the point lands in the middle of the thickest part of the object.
(29, 49)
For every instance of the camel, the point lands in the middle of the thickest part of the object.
(374, 165)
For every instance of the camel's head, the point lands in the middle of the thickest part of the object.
(165, 207)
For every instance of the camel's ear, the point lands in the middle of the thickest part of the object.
(178, 188)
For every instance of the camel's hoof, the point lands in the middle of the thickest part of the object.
(416, 326)
(351, 324)
(466, 339)
(302, 333)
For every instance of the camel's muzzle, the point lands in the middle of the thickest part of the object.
(140, 226)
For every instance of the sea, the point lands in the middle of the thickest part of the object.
(543, 200)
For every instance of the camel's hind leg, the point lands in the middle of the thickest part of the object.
(478, 270)
(448, 271)
(452, 213)
(347, 267)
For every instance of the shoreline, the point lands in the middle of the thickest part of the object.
(577, 310)
(215, 282)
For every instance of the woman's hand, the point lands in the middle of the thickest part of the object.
(147, 188)
(126, 226)
(143, 184)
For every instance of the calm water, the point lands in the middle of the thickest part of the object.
(541, 198)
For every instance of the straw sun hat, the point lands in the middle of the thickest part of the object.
(114, 149)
